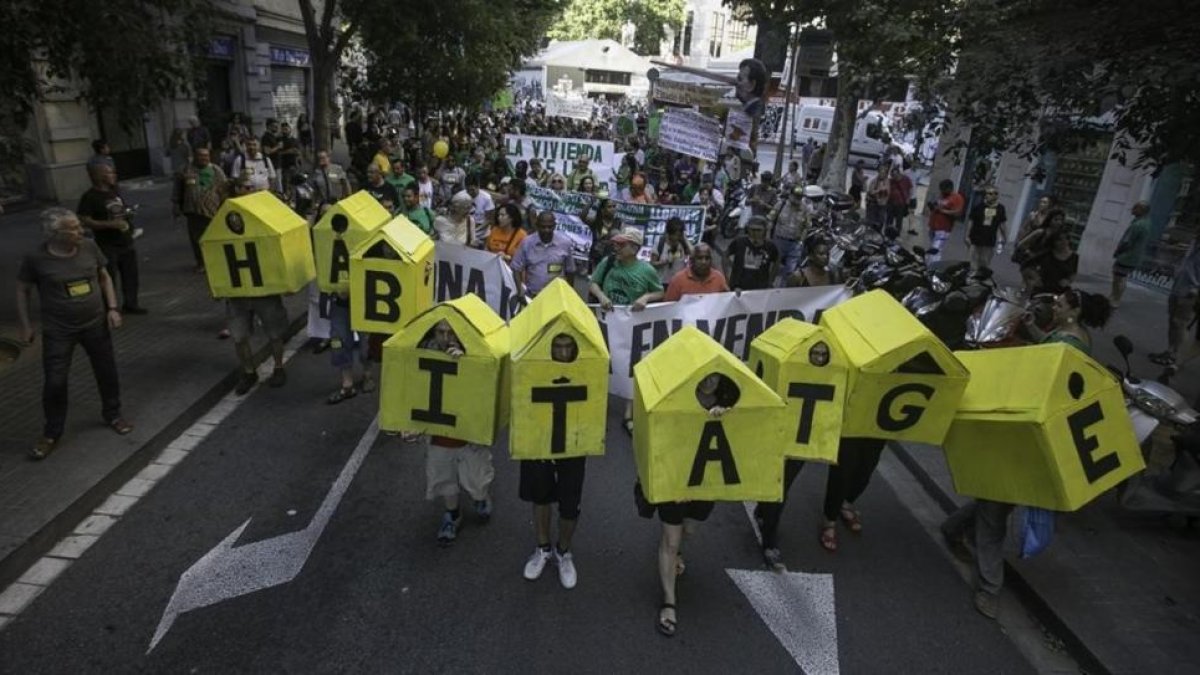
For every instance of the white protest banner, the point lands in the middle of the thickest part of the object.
(558, 155)
(737, 130)
(691, 133)
(569, 209)
(568, 106)
(461, 270)
(652, 219)
(733, 321)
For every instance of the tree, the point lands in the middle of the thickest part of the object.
(328, 37)
(436, 54)
(604, 19)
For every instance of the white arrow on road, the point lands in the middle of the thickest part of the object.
(798, 608)
(228, 572)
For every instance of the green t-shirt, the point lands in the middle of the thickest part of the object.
(1133, 244)
(625, 283)
(422, 217)
(400, 182)
(204, 177)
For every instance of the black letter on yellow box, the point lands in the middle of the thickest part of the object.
(559, 397)
(437, 371)
(1079, 421)
(714, 447)
(250, 263)
(810, 394)
(911, 414)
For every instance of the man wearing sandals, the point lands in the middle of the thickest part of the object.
(347, 347)
(79, 307)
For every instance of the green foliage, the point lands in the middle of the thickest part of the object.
(585, 19)
(432, 53)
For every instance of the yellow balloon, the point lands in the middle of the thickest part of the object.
(441, 149)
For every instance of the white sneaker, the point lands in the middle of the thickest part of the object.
(138, 232)
(566, 570)
(536, 563)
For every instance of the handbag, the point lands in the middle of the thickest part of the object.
(1037, 531)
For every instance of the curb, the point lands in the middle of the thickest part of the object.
(1088, 660)
(16, 563)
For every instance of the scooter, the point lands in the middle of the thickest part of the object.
(1165, 487)
(998, 322)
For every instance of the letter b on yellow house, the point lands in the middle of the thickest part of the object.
(391, 277)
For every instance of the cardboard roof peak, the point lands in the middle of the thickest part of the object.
(555, 305)
(363, 212)
(263, 214)
(789, 337)
(887, 335)
(401, 235)
(676, 366)
(1000, 380)
(477, 325)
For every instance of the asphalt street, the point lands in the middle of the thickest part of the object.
(378, 595)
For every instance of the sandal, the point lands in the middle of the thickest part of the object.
(852, 520)
(828, 537)
(629, 425)
(341, 395)
(120, 426)
(666, 626)
(44, 447)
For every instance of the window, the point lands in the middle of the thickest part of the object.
(687, 33)
(606, 77)
(716, 34)
(738, 33)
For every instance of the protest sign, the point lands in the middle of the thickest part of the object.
(652, 220)
(569, 209)
(568, 106)
(687, 93)
(559, 154)
(737, 130)
(461, 270)
(732, 320)
(691, 133)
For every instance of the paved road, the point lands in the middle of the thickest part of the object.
(377, 594)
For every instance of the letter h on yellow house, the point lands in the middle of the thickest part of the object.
(559, 378)
(905, 383)
(391, 277)
(801, 363)
(340, 230)
(682, 452)
(256, 246)
(428, 391)
(1040, 426)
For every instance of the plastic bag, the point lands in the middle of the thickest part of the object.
(1037, 531)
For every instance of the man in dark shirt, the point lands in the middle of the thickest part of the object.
(271, 144)
(380, 189)
(78, 307)
(102, 210)
(289, 151)
(751, 260)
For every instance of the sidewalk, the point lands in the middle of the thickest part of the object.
(171, 367)
(1122, 586)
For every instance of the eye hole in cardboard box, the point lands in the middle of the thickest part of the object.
(564, 349)
(340, 223)
(818, 354)
(716, 389)
(233, 220)
(1075, 386)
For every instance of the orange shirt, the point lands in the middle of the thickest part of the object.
(507, 244)
(940, 222)
(684, 283)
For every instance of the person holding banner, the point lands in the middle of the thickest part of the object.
(506, 236)
(539, 260)
(581, 171)
(671, 254)
(751, 260)
(698, 277)
(457, 226)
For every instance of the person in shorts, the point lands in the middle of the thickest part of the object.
(554, 481)
(716, 393)
(451, 464)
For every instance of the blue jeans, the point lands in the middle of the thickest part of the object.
(344, 344)
(790, 252)
(57, 349)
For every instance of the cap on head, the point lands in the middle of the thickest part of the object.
(630, 235)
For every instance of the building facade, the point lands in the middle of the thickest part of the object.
(257, 64)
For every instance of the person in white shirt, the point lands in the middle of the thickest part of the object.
(259, 171)
(457, 226)
(483, 207)
(426, 187)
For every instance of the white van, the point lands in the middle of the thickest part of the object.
(872, 133)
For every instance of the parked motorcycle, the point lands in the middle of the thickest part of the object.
(998, 322)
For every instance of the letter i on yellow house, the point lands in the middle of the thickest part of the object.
(428, 391)
(340, 230)
(559, 367)
(255, 246)
(391, 277)
(802, 364)
(904, 382)
(684, 453)
(1040, 426)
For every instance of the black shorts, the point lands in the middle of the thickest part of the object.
(554, 480)
(673, 513)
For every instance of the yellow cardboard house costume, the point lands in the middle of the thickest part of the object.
(682, 452)
(343, 227)
(391, 277)
(803, 365)
(1040, 426)
(254, 246)
(904, 382)
(559, 409)
(428, 391)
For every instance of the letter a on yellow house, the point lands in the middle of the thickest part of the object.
(254, 246)
(428, 391)
(682, 452)
(904, 382)
(391, 277)
(340, 230)
(802, 364)
(559, 407)
(1040, 426)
